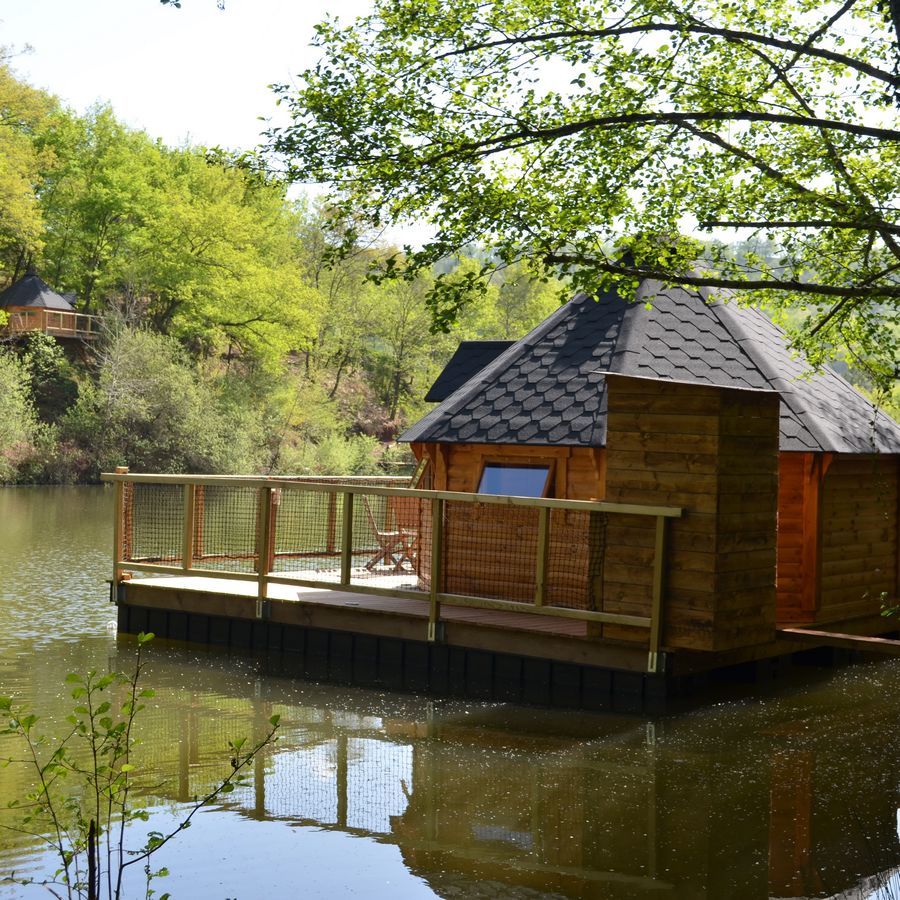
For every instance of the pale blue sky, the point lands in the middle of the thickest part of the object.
(194, 73)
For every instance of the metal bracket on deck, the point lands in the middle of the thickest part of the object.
(263, 609)
(437, 633)
(656, 663)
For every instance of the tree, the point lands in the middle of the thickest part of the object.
(190, 241)
(96, 200)
(17, 418)
(584, 136)
(403, 356)
(22, 113)
(150, 408)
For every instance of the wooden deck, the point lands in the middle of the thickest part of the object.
(382, 641)
(376, 605)
(56, 323)
(224, 611)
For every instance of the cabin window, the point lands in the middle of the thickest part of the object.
(515, 480)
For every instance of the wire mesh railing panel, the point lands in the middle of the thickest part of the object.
(226, 525)
(153, 529)
(628, 576)
(308, 531)
(575, 553)
(490, 551)
(388, 539)
(517, 550)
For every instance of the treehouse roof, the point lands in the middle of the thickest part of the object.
(549, 388)
(32, 291)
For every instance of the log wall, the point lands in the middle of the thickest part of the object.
(859, 554)
(714, 452)
(837, 536)
(798, 522)
(710, 450)
(579, 472)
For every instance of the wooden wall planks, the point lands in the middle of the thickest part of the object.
(714, 452)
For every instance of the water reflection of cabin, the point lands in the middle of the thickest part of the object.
(670, 399)
(746, 802)
(33, 306)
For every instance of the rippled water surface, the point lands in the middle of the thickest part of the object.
(786, 792)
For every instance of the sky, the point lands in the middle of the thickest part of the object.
(196, 74)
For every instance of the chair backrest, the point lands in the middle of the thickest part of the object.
(371, 517)
(405, 512)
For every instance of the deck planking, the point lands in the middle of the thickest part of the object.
(372, 604)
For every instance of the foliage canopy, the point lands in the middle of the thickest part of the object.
(567, 133)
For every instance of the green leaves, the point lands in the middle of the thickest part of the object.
(560, 135)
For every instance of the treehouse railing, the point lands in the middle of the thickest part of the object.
(375, 536)
(54, 322)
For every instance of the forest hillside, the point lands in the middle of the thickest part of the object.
(232, 338)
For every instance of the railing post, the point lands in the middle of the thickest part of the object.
(265, 544)
(543, 547)
(119, 528)
(199, 521)
(437, 565)
(332, 523)
(187, 544)
(347, 539)
(653, 660)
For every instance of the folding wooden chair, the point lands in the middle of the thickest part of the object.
(391, 543)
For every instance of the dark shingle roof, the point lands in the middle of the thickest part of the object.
(549, 387)
(33, 291)
(470, 357)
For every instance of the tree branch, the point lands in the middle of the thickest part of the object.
(525, 135)
(805, 223)
(728, 34)
(861, 292)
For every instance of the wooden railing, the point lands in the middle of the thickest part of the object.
(434, 554)
(54, 322)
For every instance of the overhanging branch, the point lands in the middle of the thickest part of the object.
(728, 34)
(806, 223)
(524, 136)
(856, 292)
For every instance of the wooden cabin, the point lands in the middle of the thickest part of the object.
(32, 305)
(788, 477)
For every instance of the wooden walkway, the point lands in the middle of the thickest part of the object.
(859, 642)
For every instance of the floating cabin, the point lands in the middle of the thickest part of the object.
(741, 507)
(787, 477)
(32, 305)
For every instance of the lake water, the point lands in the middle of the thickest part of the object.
(787, 791)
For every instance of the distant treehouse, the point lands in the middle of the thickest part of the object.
(33, 306)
